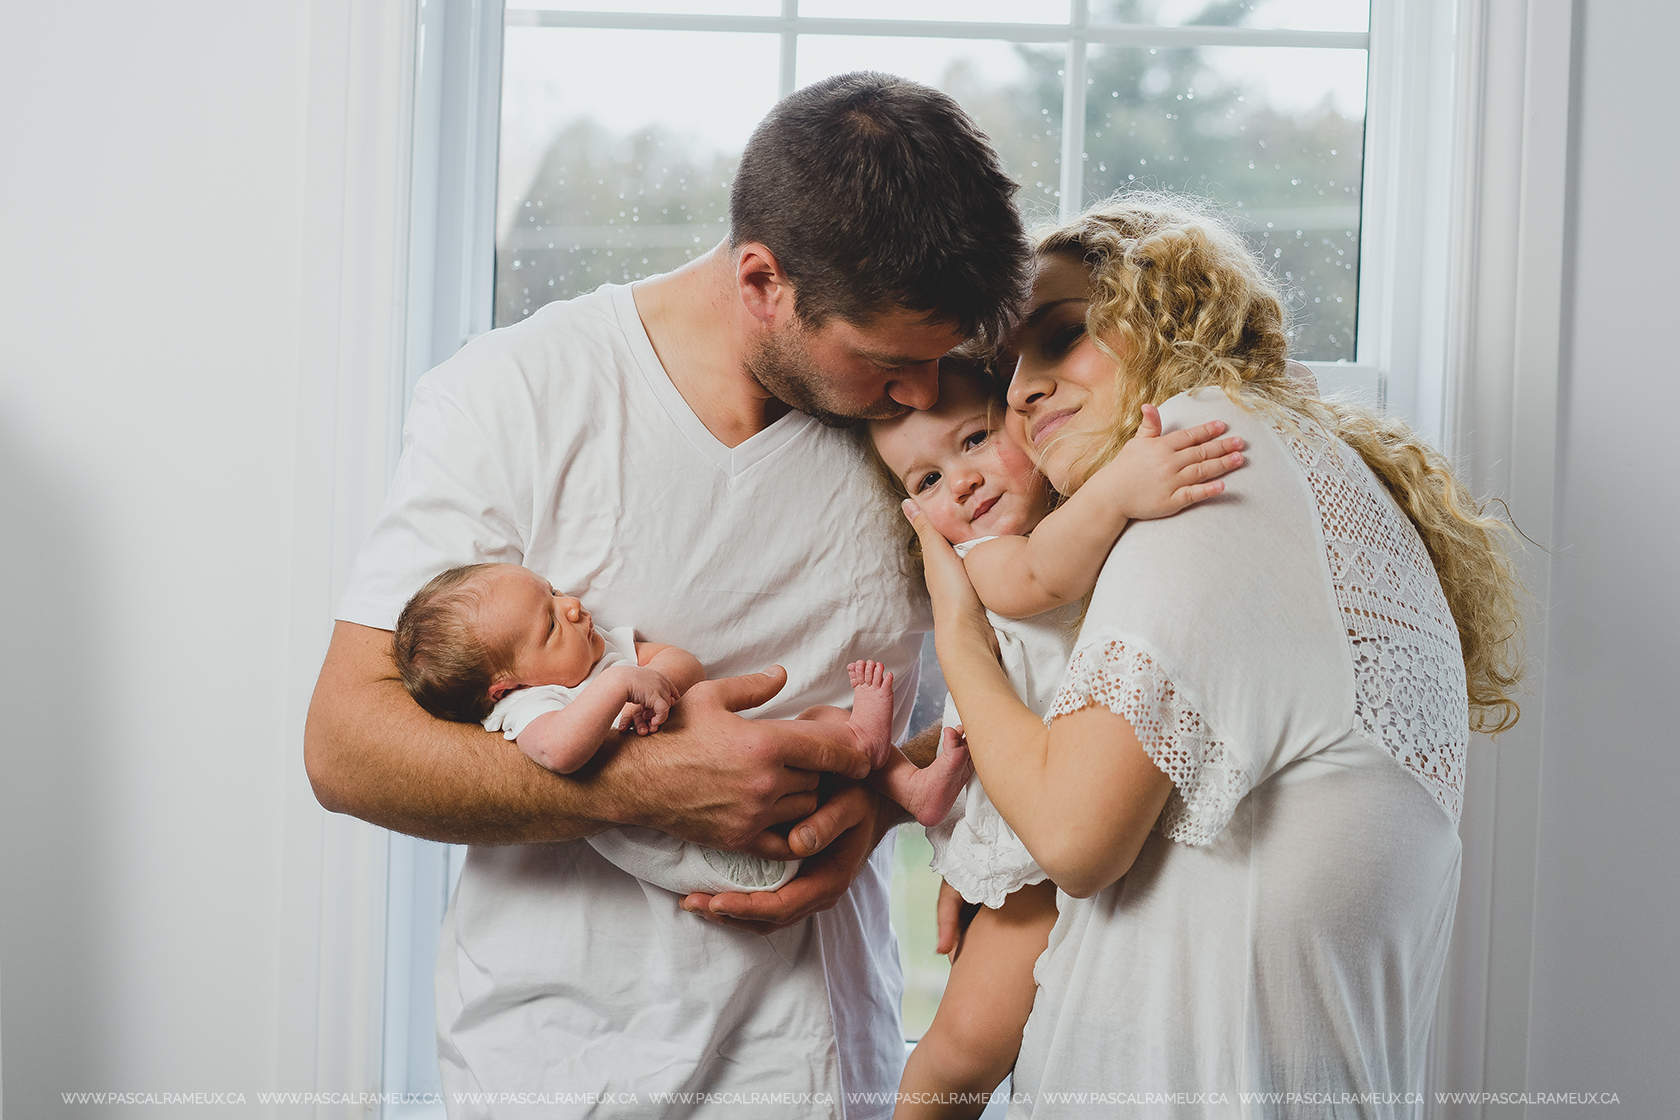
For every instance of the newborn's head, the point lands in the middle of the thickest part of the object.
(957, 462)
(477, 632)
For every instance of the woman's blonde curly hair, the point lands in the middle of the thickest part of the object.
(1179, 294)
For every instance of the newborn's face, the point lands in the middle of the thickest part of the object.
(552, 637)
(960, 467)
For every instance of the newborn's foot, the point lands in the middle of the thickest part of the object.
(872, 710)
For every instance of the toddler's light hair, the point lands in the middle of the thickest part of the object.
(443, 661)
(1180, 302)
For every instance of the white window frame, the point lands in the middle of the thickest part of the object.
(1413, 278)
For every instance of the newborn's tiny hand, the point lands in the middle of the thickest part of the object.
(648, 696)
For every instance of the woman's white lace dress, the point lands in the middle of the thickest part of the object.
(1287, 658)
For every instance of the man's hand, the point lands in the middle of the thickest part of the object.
(722, 781)
(841, 834)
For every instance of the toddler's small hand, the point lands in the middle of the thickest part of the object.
(1157, 475)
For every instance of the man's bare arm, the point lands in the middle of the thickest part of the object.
(709, 776)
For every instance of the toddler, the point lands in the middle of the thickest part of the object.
(497, 644)
(981, 492)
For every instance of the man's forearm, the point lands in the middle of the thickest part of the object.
(373, 753)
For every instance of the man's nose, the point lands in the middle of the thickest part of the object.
(916, 386)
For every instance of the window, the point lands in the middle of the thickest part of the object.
(1259, 106)
(1323, 126)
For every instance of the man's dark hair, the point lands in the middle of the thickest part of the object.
(874, 192)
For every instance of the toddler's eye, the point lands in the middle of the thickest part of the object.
(975, 439)
(927, 480)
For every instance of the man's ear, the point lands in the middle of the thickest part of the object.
(765, 289)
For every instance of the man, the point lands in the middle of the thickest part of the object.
(638, 447)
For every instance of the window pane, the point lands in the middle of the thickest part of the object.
(915, 888)
(594, 189)
(973, 11)
(1012, 91)
(915, 893)
(664, 7)
(1296, 15)
(1274, 135)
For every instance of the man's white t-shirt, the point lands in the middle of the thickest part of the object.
(566, 987)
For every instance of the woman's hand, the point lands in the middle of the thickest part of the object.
(957, 610)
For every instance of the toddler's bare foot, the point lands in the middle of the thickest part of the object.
(935, 788)
(872, 709)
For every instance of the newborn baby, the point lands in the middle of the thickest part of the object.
(497, 644)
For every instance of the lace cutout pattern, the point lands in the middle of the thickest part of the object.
(1207, 780)
(1410, 695)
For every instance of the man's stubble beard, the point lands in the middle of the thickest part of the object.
(782, 365)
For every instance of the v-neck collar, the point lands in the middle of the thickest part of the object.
(730, 460)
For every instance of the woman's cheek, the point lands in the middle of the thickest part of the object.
(1014, 442)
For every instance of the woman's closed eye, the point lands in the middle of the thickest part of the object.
(1065, 337)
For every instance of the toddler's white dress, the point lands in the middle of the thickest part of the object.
(973, 849)
(648, 854)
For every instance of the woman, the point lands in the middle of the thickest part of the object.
(1249, 784)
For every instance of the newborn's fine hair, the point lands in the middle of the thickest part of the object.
(443, 661)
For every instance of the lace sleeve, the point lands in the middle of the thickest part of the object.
(1207, 780)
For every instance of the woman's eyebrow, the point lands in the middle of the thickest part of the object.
(1039, 311)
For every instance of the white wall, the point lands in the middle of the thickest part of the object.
(152, 161)
(1606, 979)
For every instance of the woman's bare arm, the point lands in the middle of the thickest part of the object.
(1081, 794)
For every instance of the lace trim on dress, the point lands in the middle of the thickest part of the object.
(1410, 694)
(1207, 780)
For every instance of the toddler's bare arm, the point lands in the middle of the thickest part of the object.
(1152, 476)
